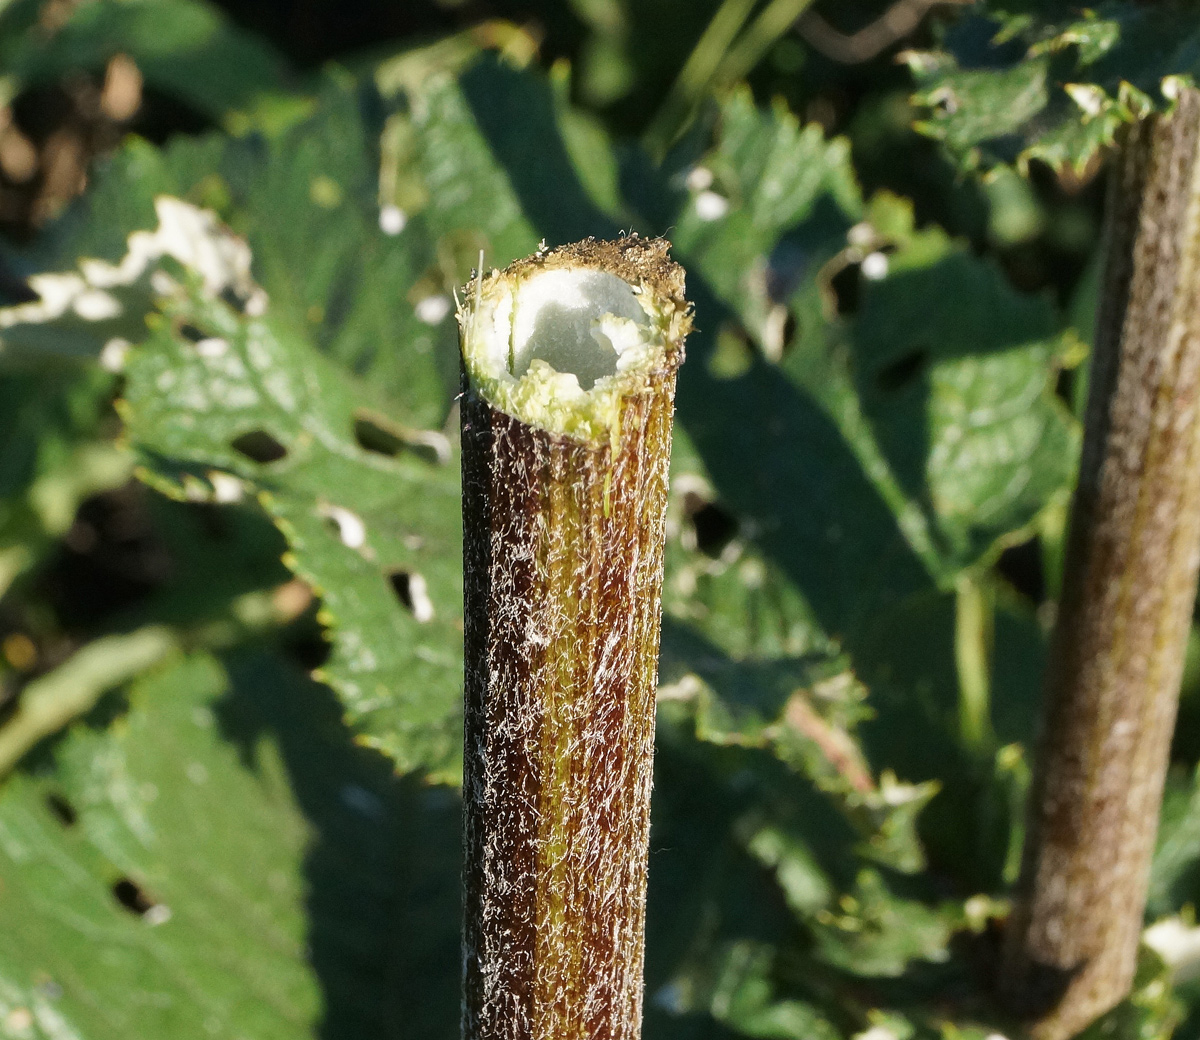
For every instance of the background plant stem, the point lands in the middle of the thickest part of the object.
(723, 55)
(696, 73)
(973, 623)
(52, 701)
(1129, 587)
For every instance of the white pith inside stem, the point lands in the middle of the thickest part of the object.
(557, 348)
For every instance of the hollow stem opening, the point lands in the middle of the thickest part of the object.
(558, 344)
(577, 322)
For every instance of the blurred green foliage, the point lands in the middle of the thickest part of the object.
(893, 267)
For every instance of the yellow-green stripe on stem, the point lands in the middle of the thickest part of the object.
(569, 364)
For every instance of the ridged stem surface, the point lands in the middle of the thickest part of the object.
(1129, 586)
(563, 571)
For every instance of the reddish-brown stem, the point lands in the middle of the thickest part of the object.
(563, 571)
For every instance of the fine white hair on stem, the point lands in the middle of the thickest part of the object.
(570, 359)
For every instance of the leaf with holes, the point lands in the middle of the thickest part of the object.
(929, 368)
(1015, 82)
(225, 399)
(225, 862)
(954, 373)
(217, 401)
(374, 289)
(764, 176)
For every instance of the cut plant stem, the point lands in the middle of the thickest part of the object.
(1129, 587)
(569, 364)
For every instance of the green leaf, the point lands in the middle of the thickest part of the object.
(802, 713)
(1175, 875)
(244, 406)
(471, 200)
(1051, 85)
(374, 298)
(376, 301)
(977, 105)
(52, 456)
(223, 861)
(934, 377)
(875, 932)
(224, 400)
(499, 176)
(765, 175)
(736, 987)
(187, 48)
(721, 584)
(955, 376)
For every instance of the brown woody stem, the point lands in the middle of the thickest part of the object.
(1129, 586)
(569, 363)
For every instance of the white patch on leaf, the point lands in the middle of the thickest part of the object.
(433, 310)
(96, 305)
(226, 487)
(158, 914)
(875, 266)
(1178, 944)
(102, 292)
(213, 347)
(392, 220)
(112, 357)
(418, 596)
(711, 206)
(351, 529)
(699, 178)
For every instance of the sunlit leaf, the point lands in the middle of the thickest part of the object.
(223, 860)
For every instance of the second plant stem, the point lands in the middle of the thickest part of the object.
(1128, 592)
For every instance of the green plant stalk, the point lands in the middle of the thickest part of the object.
(54, 700)
(724, 55)
(762, 34)
(973, 623)
(696, 75)
(50, 702)
(563, 557)
(1129, 586)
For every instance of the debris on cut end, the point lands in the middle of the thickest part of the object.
(559, 339)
